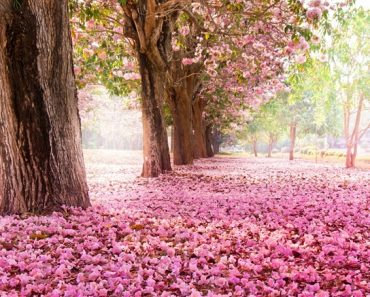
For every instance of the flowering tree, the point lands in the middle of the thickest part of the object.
(336, 76)
(148, 26)
(193, 47)
(349, 60)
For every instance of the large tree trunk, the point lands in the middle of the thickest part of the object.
(216, 141)
(293, 129)
(183, 87)
(155, 147)
(208, 136)
(151, 33)
(200, 149)
(41, 162)
(180, 104)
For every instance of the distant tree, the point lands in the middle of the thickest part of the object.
(252, 133)
(350, 67)
(272, 121)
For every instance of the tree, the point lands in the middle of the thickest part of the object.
(41, 163)
(224, 38)
(349, 60)
(338, 78)
(272, 119)
(252, 132)
(148, 25)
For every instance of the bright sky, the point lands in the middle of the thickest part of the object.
(364, 3)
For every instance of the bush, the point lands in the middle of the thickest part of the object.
(324, 153)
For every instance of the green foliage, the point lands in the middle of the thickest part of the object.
(100, 49)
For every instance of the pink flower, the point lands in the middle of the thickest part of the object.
(300, 59)
(315, 40)
(88, 52)
(102, 55)
(195, 293)
(131, 76)
(314, 13)
(220, 282)
(323, 58)
(171, 252)
(322, 294)
(77, 70)
(185, 30)
(187, 61)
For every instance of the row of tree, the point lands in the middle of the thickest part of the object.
(329, 92)
(180, 53)
(200, 64)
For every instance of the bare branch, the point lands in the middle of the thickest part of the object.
(139, 30)
(363, 131)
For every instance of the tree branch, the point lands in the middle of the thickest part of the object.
(139, 30)
(363, 131)
(150, 17)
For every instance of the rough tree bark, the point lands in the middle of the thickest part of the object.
(208, 136)
(41, 162)
(182, 91)
(155, 145)
(293, 130)
(150, 24)
(216, 140)
(180, 106)
(200, 146)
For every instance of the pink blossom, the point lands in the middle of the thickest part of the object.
(187, 61)
(185, 30)
(300, 59)
(314, 13)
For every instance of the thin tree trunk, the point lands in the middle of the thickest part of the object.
(293, 129)
(200, 149)
(41, 162)
(155, 146)
(349, 160)
(346, 118)
(254, 145)
(352, 141)
(270, 148)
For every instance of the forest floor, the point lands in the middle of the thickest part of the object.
(226, 226)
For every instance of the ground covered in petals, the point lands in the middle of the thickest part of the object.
(223, 227)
